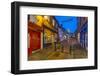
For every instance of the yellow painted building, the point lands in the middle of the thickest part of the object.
(49, 35)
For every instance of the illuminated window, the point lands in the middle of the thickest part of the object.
(47, 18)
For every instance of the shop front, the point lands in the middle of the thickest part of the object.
(50, 38)
(34, 38)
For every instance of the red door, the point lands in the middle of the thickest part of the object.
(35, 41)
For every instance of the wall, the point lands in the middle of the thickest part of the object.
(5, 41)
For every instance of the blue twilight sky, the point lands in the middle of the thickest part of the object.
(68, 22)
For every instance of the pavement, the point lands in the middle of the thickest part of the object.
(68, 52)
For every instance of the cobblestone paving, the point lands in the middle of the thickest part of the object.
(52, 55)
(71, 50)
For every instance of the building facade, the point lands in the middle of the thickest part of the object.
(42, 33)
(82, 32)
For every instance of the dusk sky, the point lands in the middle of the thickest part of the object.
(68, 22)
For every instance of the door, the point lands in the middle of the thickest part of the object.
(35, 41)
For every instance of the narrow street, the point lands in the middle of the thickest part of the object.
(57, 37)
(75, 52)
